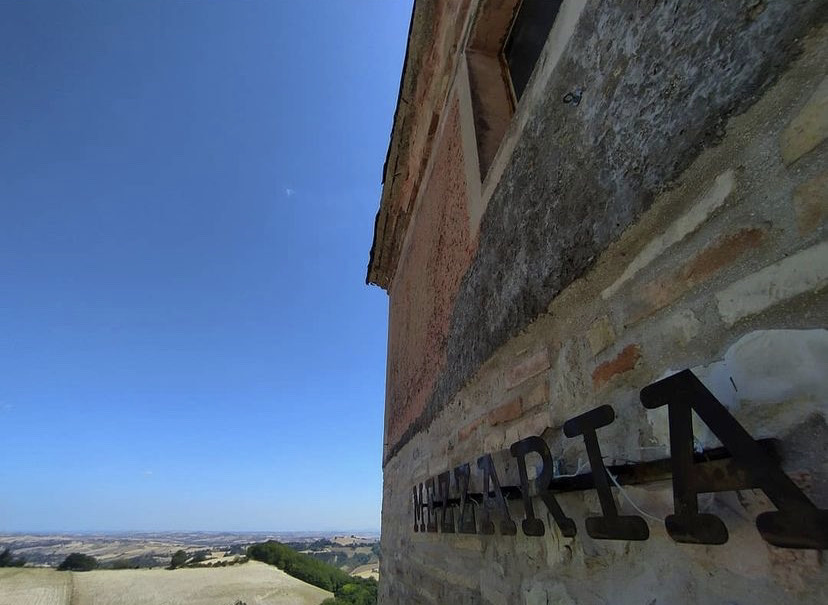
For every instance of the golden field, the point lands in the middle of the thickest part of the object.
(254, 583)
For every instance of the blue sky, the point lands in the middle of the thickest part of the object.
(187, 196)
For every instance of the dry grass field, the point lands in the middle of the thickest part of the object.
(20, 585)
(254, 583)
(367, 571)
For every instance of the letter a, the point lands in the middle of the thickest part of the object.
(797, 523)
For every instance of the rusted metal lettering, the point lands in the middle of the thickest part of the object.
(466, 522)
(493, 501)
(743, 463)
(797, 524)
(431, 521)
(419, 523)
(611, 526)
(532, 526)
(446, 512)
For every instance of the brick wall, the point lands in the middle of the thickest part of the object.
(437, 252)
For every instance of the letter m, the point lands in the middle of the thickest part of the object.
(419, 504)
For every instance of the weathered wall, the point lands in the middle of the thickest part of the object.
(436, 28)
(659, 87)
(422, 298)
(675, 218)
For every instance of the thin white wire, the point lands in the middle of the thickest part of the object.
(618, 485)
(576, 473)
(630, 500)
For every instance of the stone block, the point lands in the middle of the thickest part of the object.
(805, 271)
(526, 368)
(467, 431)
(665, 290)
(507, 412)
(568, 383)
(600, 334)
(686, 224)
(811, 203)
(680, 327)
(544, 593)
(534, 424)
(495, 441)
(809, 128)
(539, 395)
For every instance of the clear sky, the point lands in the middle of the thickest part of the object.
(187, 197)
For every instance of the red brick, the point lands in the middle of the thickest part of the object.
(530, 366)
(663, 291)
(507, 412)
(722, 253)
(624, 362)
(466, 432)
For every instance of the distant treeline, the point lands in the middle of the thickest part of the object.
(78, 562)
(7, 559)
(348, 590)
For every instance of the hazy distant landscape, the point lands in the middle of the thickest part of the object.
(147, 549)
(213, 568)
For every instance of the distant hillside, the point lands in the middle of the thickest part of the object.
(154, 549)
(344, 553)
(348, 590)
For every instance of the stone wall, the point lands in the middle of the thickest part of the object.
(676, 218)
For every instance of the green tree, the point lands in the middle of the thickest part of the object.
(178, 559)
(78, 562)
(347, 590)
(200, 556)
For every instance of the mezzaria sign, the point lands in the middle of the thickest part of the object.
(743, 463)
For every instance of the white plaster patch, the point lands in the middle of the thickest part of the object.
(803, 272)
(701, 210)
(681, 327)
(770, 379)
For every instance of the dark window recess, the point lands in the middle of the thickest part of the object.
(530, 29)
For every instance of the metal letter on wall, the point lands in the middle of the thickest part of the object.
(419, 523)
(493, 501)
(466, 523)
(797, 524)
(533, 526)
(431, 522)
(611, 526)
(446, 512)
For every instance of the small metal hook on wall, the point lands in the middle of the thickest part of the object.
(573, 97)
